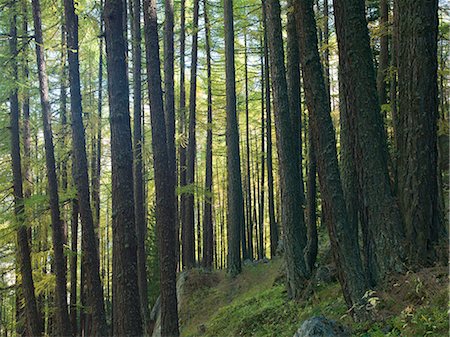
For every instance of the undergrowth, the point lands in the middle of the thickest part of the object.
(256, 304)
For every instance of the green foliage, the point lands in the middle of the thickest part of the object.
(256, 304)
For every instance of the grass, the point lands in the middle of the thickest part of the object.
(255, 304)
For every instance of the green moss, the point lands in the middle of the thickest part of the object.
(254, 304)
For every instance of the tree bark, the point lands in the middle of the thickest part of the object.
(345, 249)
(139, 211)
(164, 179)
(73, 267)
(59, 262)
(188, 233)
(273, 226)
(358, 77)
(182, 129)
(383, 61)
(235, 199)
(292, 199)
(261, 250)
(27, 284)
(311, 202)
(81, 179)
(417, 129)
(250, 204)
(208, 234)
(126, 309)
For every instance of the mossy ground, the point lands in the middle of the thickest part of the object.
(255, 304)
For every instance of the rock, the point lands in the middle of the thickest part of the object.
(156, 311)
(320, 326)
(248, 262)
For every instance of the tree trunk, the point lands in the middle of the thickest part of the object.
(250, 204)
(417, 131)
(274, 234)
(311, 202)
(57, 231)
(261, 251)
(126, 309)
(383, 62)
(235, 199)
(139, 211)
(344, 247)
(293, 84)
(73, 267)
(188, 233)
(358, 77)
(96, 156)
(292, 199)
(27, 284)
(208, 235)
(81, 179)
(182, 130)
(164, 179)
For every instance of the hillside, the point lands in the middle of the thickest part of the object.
(255, 304)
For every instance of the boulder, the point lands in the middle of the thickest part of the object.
(320, 326)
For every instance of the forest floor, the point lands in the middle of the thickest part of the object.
(255, 304)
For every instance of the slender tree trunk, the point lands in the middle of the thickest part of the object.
(417, 131)
(189, 229)
(293, 84)
(250, 203)
(383, 62)
(358, 77)
(235, 202)
(57, 230)
(311, 203)
(182, 130)
(261, 251)
(96, 164)
(169, 95)
(164, 179)
(139, 211)
(208, 234)
(274, 234)
(73, 267)
(345, 249)
(27, 284)
(126, 309)
(292, 198)
(81, 179)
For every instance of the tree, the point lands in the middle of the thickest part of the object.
(417, 129)
(386, 252)
(383, 63)
(126, 310)
(27, 283)
(292, 217)
(344, 248)
(165, 211)
(273, 226)
(235, 199)
(182, 127)
(249, 222)
(81, 179)
(62, 315)
(139, 211)
(208, 239)
(188, 234)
